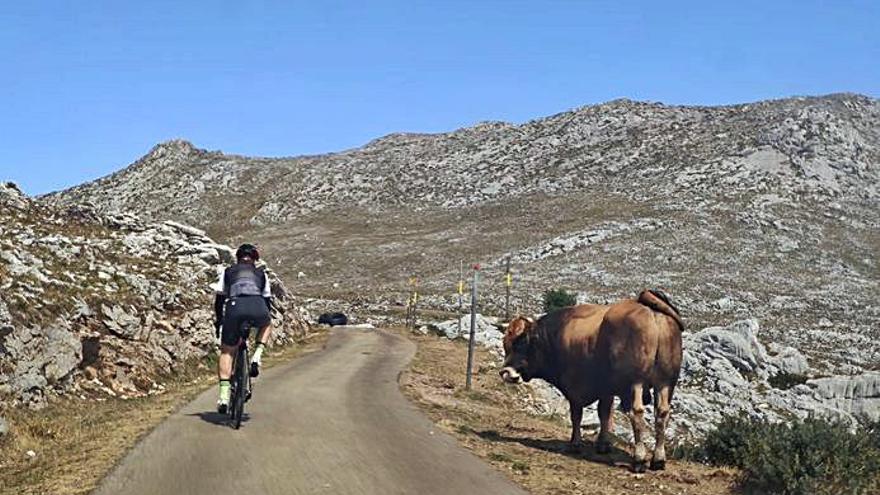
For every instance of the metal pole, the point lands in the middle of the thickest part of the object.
(413, 301)
(460, 294)
(473, 336)
(507, 281)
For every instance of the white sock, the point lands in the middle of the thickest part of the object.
(258, 354)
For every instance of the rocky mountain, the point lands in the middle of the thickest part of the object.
(765, 211)
(95, 305)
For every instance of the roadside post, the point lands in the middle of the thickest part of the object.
(473, 336)
(460, 294)
(413, 301)
(508, 279)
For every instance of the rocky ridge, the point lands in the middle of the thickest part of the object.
(764, 211)
(95, 305)
(807, 145)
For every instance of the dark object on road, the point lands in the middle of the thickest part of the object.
(333, 319)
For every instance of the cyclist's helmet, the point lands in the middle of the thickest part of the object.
(247, 251)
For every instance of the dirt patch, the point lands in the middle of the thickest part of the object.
(490, 421)
(75, 442)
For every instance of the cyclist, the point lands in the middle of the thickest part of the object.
(243, 295)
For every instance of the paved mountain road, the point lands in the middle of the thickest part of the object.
(332, 422)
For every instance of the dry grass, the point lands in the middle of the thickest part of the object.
(490, 421)
(77, 442)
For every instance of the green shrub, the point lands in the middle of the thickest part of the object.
(558, 298)
(872, 429)
(812, 456)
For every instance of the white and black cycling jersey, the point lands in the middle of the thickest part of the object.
(243, 279)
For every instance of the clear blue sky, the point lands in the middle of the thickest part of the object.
(86, 87)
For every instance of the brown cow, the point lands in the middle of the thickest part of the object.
(594, 352)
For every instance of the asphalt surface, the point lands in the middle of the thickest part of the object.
(330, 422)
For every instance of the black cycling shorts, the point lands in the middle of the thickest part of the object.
(241, 310)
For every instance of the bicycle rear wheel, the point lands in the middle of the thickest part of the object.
(240, 388)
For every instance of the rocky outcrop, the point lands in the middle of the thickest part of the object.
(96, 305)
(43, 357)
(856, 395)
(735, 346)
(728, 369)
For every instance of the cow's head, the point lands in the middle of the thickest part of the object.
(519, 354)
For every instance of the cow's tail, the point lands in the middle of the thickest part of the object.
(658, 301)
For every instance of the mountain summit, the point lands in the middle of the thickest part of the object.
(825, 144)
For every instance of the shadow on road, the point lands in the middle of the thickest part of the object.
(586, 451)
(216, 418)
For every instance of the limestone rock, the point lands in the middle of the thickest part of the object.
(42, 357)
(858, 395)
(487, 333)
(736, 343)
(788, 360)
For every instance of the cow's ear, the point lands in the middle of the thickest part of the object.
(517, 327)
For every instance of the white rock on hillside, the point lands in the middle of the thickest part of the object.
(487, 333)
(856, 395)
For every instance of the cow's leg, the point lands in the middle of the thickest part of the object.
(637, 419)
(662, 411)
(577, 414)
(606, 424)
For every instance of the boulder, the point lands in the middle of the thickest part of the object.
(225, 254)
(121, 323)
(788, 360)
(737, 343)
(486, 333)
(185, 229)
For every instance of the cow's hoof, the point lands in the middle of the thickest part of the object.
(658, 465)
(640, 467)
(573, 447)
(603, 448)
